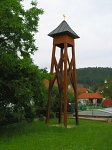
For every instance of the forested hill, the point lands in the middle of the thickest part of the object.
(93, 76)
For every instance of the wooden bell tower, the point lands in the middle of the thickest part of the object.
(64, 70)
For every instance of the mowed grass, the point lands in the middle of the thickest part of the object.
(89, 135)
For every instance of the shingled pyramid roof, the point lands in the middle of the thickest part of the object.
(63, 28)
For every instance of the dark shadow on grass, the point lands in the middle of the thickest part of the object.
(23, 128)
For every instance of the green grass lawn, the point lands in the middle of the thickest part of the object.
(89, 135)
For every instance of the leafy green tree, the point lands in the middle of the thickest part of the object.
(18, 26)
(107, 89)
(55, 98)
(21, 86)
(21, 82)
(71, 98)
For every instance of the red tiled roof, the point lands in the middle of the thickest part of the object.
(107, 103)
(81, 90)
(90, 96)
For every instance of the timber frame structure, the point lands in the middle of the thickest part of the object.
(64, 70)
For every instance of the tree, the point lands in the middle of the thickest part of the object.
(56, 98)
(93, 77)
(21, 86)
(107, 89)
(18, 26)
(21, 82)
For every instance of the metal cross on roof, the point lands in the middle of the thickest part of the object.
(64, 16)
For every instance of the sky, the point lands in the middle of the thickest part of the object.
(90, 19)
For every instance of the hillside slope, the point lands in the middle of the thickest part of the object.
(93, 76)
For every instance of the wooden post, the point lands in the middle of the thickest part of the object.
(61, 86)
(75, 85)
(65, 85)
(50, 83)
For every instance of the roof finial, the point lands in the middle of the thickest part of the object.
(64, 16)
